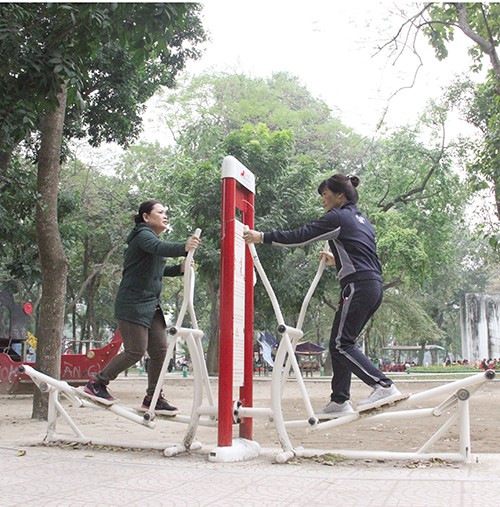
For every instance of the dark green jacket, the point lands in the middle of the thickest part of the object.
(143, 269)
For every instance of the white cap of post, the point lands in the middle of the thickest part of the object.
(233, 168)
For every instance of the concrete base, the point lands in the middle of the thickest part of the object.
(240, 450)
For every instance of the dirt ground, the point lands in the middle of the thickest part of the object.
(16, 424)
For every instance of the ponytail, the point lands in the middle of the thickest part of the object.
(341, 184)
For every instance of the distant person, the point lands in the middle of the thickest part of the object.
(137, 306)
(351, 238)
(171, 365)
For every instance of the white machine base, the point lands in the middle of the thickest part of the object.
(240, 450)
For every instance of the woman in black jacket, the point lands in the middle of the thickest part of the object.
(351, 238)
(137, 306)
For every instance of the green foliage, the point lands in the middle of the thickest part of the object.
(402, 320)
(212, 106)
(442, 369)
(479, 105)
(112, 57)
(442, 30)
(18, 252)
(440, 20)
(401, 250)
(416, 203)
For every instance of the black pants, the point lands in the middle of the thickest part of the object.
(358, 302)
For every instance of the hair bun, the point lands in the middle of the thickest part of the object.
(137, 218)
(354, 180)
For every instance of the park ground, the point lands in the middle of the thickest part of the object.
(16, 424)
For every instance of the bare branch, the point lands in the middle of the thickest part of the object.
(405, 45)
(97, 270)
(420, 188)
(410, 21)
(394, 283)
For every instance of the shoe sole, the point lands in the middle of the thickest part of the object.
(334, 415)
(389, 400)
(170, 413)
(93, 397)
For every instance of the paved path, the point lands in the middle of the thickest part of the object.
(57, 475)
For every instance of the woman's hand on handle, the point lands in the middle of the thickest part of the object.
(328, 256)
(192, 243)
(251, 236)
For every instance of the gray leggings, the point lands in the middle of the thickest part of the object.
(137, 340)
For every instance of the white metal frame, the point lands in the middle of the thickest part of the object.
(455, 405)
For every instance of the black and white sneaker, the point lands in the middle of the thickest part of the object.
(163, 407)
(98, 392)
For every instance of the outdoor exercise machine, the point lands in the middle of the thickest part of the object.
(203, 411)
(454, 407)
(235, 408)
(236, 346)
(237, 308)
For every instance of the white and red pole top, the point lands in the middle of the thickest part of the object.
(233, 168)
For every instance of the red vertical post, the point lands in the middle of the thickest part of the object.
(225, 423)
(238, 187)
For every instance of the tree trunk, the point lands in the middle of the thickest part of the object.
(486, 44)
(52, 257)
(421, 352)
(5, 158)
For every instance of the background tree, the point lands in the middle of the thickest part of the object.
(480, 23)
(95, 211)
(209, 107)
(406, 188)
(55, 55)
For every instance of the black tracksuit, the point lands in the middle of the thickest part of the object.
(352, 240)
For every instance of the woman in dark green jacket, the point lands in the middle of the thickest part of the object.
(137, 305)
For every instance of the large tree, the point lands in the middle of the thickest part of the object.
(98, 63)
(480, 23)
(211, 106)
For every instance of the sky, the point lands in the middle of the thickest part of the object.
(332, 47)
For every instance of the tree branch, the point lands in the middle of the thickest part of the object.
(97, 270)
(488, 46)
(419, 189)
(395, 283)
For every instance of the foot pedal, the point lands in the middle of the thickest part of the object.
(96, 399)
(383, 403)
(333, 415)
(142, 411)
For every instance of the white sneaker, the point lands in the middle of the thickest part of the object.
(381, 396)
(334, 409)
